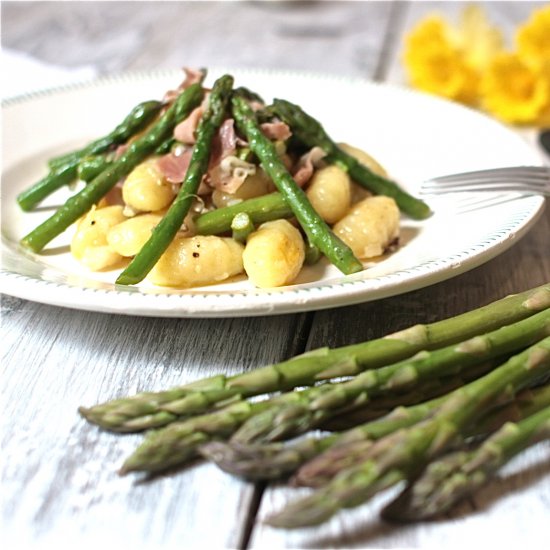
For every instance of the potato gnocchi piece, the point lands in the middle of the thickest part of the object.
(274, 254)
(364, 158)
(370, 226)
(128, 237)
(197, 261)
(254, 185)
(329, 192)
(358, 192)
(89, 243)
(145, 189)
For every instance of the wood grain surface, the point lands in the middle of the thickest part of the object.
(59, 474)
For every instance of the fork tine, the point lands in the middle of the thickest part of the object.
(529, 172)
(535, 179)
(486, 188)
(486, 182)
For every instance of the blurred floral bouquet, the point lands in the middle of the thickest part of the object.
(469, 63)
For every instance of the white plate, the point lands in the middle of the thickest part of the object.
(413, 135)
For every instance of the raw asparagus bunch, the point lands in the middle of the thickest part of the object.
(276, 460)
(323, 402)
(310, 132)
(296, 412)
(453, 477)
(156, 409)
(347, 452)
(404, 453)
(315, 460)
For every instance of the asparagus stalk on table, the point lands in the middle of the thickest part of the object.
(401, 455)
(325, 401)
(275, 460)
(457, 475)
(136, 152)
(295, 412)
(310, 132)
(64, 170)
(171, 223)
(352, 449)
(317, 231)
(315, 460)
(154, 409)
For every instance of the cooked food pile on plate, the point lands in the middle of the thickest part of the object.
(211, 183)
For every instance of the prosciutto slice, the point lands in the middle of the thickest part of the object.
(174, 166)
(185, 130)
(307, 164)
(192, 76)
(276, 130)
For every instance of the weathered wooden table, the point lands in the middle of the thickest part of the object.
(60, 484)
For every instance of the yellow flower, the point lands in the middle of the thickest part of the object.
(515, 92)
(477, 39)
(447, 60)
(533, 38)
(434, 62)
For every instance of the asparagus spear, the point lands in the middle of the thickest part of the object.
(140, 149)
(311, 133)
(325, 401)
(456, 475)
(166, 230)
(315, 228)
(402, 454)
(259, 209)
(317, 459)
(276, 460)
(298, 411)
(89, 167)
(352, 449)
(241, 227)
(155, 409)
(63, 170)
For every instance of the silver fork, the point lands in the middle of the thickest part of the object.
(528, 179)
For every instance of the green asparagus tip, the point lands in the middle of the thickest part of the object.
(127, 279)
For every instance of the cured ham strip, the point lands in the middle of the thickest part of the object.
(276, 130)
(307, 164)
(174, 166)
(192, 76)
(185, 130)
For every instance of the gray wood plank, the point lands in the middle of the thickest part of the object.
(60, 481)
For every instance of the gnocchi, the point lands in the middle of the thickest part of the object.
(146, 189)
(128, 237)
(196, 261)
(370, 227)
(329, 192)
(254, 185)
(364, 158)
(274, 254)
(89, 244)
(358, 192)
